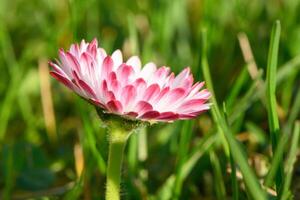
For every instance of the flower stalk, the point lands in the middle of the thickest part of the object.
(119, 130)
(117, 143)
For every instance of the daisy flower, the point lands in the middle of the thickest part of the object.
(127, 89)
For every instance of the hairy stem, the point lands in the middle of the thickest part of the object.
(117, 142)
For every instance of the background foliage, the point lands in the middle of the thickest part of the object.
(50, 139)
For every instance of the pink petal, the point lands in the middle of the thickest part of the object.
(101, 54)
(192, 104)
(195, 88)
(148, 71)
(97, 103)
(87, 88)
(104, 85)
(106, 95)
(171, 99)
(203, 94)
(107, 67)
(113, 83)
(176, 94)
(151, 92)
(142, 107)
(115, 86)
(117, 58)
(168, 116)
(92, 47)
(140, 85)
(74, 49)
(170, 79)
(160, 76)
(115, 106)
(124, 72)
(62, 79)
(138, 82)
(128, 95)
(187, 83)
(192, 114)
(181, 77)
(86, 58)
(73, 62)
(75, 79)
(103, 91)
(86, 61)
(57, 69)
(186, 116)
(83, 45)
(150, 115)
(135, 62)
(110, 96)
(162, 72)
(111, 78)
(65, 65)
(162, 94)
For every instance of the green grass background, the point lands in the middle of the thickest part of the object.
(246, 132)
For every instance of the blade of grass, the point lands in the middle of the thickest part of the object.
(291, 67)
(245, 101)
(276, 160)
(89, 136)
(91, 140)
(286, 97)
(248, 55)
(202, 147)
(291, 161)
(284, 72)
(209, 85)
(234, 181)
(271, 96)
(15, 76)
(237, 86)
(76, 191)
(219, 181)
(185, 137)
(294, 112)
(249, 177)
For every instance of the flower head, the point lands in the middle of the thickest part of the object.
(126, 88)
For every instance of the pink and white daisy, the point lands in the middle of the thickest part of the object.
(126, 88)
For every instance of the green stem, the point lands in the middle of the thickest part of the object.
(117, 142)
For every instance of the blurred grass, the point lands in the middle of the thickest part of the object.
(184, 160)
